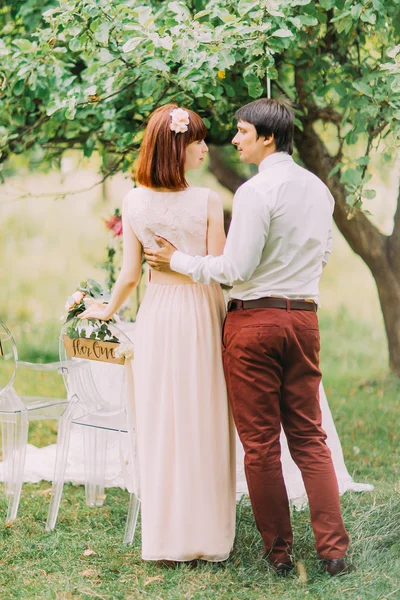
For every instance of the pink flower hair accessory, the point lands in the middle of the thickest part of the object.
(179, 120)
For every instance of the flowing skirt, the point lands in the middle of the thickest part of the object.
(185, 432)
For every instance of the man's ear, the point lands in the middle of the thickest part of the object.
(268, 141)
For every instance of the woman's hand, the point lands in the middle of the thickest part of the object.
(96, 310)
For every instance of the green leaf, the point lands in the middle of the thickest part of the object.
(19, 87)
(369, 194)
(282, 33)
(395, 86)
(300, 2)
(149, 86)
(363, 160)
(132, 44)
(253, 85)
(225, 60)
(144, 13)
(88, 147)
(335, 170)
(158, 65)
(327, 4)
(352, 177)
(74, 44)
(363, 88)
(296, 21)
(309, 21)
(351, 199)
(24, 46)
(179, 9)
(368, 17)
(356, 11)
(101, 33)
(202, 13)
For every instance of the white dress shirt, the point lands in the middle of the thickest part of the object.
(279, 239)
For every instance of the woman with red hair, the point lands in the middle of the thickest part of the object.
(184, 426)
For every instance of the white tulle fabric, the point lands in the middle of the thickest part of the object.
(40, 462)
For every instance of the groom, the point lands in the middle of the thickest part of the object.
(278, 243)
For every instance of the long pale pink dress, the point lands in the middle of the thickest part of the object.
(186, 441)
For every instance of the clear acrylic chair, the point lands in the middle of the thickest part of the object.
(99, 386)
(15, 414)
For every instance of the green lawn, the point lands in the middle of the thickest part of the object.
(364, 400)
(46, 262)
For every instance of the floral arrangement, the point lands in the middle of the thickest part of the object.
(114, 223)
(113, 249)
(88, 292)
(112, 264)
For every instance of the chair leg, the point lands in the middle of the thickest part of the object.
(15, 439)
(131, 520)
(63, 439)
(95, 442)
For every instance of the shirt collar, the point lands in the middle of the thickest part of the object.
(273, 159)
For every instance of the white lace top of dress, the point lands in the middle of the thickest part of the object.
(180, 217)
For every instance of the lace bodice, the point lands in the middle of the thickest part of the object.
(180, 217)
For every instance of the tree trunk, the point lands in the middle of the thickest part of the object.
(381, 253)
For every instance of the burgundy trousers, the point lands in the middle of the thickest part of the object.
(271, 362)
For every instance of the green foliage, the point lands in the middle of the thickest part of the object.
(87, 73)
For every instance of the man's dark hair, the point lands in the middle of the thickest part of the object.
(271, 116)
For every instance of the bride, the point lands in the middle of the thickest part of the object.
(185, 432)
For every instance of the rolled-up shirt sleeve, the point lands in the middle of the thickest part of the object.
(243, 250)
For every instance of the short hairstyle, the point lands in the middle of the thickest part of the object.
(161, 162)
(271, 116)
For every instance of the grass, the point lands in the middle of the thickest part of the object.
(47, 260)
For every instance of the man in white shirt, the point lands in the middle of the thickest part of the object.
(279, 240)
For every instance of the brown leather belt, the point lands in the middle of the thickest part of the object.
(272, 303)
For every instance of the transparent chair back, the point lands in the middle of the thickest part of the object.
(95, 374)
(8, 362)
(92, 372)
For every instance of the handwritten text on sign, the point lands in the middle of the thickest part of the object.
(92, 350)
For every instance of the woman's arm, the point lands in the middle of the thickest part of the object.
(129, 276)
(215, 225)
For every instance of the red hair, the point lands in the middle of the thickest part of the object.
(161, 162)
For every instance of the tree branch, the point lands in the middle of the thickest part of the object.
(61, 195)
(325, 114)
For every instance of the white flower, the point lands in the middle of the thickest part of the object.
(124, 351)
(179, 120)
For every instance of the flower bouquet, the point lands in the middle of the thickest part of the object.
(88, 292)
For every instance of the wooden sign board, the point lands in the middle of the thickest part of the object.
(92, 350)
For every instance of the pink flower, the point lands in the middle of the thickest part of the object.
(179, 120)
(114, 224)
(73, 300)
(78, 297)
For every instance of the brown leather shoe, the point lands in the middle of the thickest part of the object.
(335, 566)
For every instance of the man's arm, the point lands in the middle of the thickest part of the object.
(328, 249)
(246, 240)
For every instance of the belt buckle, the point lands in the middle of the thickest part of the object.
(236, 303)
